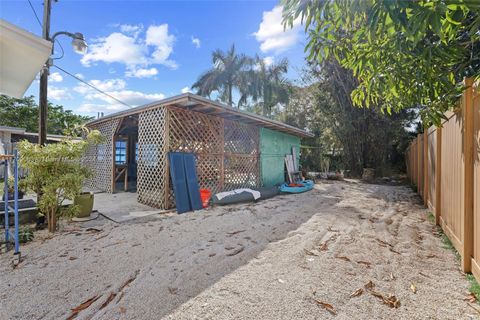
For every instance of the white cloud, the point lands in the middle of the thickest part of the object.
(94, 107)
(186, 89)
(55, 77)
(158, 37)
(196, 42)
(142, 73)
(116, 88)
(272, 35)
(131, 97)
(268, 61)
(79, 75)
(55, 93)
(117, 47)
(104, 85)
(129, 48)
(131, 29)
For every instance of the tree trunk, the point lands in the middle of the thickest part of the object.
(230, 98)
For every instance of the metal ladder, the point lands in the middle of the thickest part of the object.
(11, 236)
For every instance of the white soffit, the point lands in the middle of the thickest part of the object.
(22, 55)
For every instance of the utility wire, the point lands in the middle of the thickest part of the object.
(92, 86)
(35, 13)
(70, 74)
(40, 24)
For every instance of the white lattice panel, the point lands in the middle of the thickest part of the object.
(99, 158)
(152, 172)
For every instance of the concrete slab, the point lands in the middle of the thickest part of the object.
(122, 206)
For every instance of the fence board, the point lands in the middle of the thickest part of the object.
(452, 180)
(431, 167)
(476, 184)
(451, 175)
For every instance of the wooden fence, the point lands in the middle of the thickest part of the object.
(444, 165)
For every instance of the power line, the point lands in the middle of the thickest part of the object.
(40, 23)
(92, 86)
(70, 74)
(35, 13)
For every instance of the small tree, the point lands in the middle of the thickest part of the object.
(56, 173)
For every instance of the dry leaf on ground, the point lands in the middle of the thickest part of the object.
(369, 285)
(343, 258)
(357, 292)
(327, 306)
(389, 300)
(471, 298)
(368, 264)
(413, 288)
(310, 253)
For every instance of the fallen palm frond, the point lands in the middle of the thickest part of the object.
(84, 305)
(357, 292)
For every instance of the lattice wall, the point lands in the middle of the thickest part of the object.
(99, 158)
(152, 174)
(226, 151)
(241, 155)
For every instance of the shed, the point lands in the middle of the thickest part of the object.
(233, 148)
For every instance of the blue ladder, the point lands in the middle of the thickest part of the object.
(8, 235)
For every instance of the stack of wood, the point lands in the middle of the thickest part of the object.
(291, 164)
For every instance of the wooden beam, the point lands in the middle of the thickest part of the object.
(222, 157)
(468, 148)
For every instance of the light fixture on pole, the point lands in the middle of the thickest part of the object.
(79, 45)
(78, 41)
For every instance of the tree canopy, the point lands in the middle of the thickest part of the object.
(230, 70)
(261, 85)
(403, 53)
(23, 113)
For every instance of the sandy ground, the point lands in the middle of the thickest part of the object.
(277, 259)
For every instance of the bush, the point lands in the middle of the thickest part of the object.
(56, 173)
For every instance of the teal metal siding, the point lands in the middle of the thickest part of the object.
(274, 146)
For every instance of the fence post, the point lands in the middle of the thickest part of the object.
(438, 176)
(419, 163)
(468, 176)
(425, 167)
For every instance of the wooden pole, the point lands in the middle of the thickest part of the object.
(468, 136)
(438, 177)
(43, 99)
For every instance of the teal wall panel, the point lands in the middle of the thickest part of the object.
(274, 146)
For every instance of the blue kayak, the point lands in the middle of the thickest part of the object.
(306, 185)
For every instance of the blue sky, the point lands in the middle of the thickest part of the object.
(142, 51)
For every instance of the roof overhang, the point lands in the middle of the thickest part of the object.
(200, 104)
(22, 55)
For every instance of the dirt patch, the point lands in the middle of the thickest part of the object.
(344, 250)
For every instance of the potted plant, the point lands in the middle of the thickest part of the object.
(84, 202)
(56, 173)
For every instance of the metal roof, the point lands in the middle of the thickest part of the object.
(197, 103)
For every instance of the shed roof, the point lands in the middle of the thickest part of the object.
(197, 103)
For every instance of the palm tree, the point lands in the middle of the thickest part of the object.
(230, 70)
(269, 86)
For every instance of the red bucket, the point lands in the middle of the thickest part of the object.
(205, 195)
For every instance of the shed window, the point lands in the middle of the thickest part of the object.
(121, 152)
